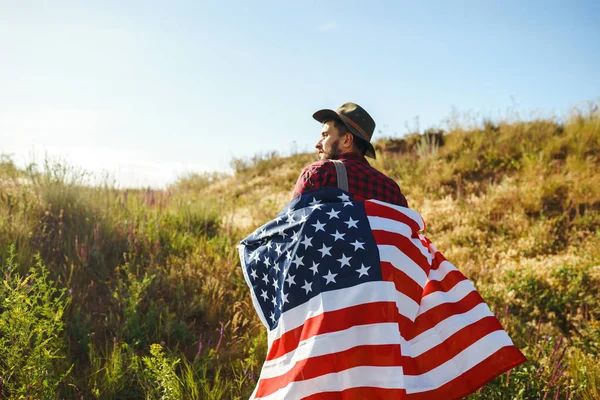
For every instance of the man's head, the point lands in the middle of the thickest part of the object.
(347, 129)
(336, 140)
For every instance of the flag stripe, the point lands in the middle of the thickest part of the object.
(436, 315)
(403, 262)
(406, 215)
(402, 282)
(365, 376)
(383, 224)
(458, 291)
(380, 333)
(332, 321)
(450, 347)
(431, 338)
(360, 393)
(386, 355)
(450, 280)
(465, 360)
(441, 345)
(333, 370)
(324, 342)
(471, 379)
(392, 238)
(368, 292)
(438, 272)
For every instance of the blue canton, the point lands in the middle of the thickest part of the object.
(321, 241)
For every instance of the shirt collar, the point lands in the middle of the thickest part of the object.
(354, 157)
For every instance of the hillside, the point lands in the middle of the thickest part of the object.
(148, 297)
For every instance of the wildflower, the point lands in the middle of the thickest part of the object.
(220, 338)
(199, 347)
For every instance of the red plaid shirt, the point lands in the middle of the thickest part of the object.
(364, 181)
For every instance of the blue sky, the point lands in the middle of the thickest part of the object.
(149, 90)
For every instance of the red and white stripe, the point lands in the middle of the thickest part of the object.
(424, 332)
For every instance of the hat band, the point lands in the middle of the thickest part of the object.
(355, 126)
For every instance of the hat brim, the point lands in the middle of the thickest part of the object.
(327, 115)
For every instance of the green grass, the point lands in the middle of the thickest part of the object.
(139, 293)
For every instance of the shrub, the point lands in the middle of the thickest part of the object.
(32, 352)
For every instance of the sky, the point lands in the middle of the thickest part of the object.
(148, 91)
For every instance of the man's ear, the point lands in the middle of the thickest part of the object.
(348, 139)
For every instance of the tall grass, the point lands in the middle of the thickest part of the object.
(139, 294)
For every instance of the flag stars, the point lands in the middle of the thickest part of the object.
(263, 294)
(298, 261)
(290, 219)
(288, 255)
(303, 219)
(316, 206)
(325, 251)
(290, 279)
(267, 261)
(276, 267)
(278, 249)
(296, 237)
(274, 301)
(362, 270)
(330, 278)
(284, 298)
(314, 202)
(351, 223)
(307, 242)
(344, 261)
(307, 286)
(357, 245)
(348, 203)
(265, 279)
(253, 274)
(314, 268)
(333, 214)
(344, 197)
(282, 233)
(337, 235)
(319, 226)
(273, 317)
(275, 283)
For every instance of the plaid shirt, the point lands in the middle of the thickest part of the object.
(364, 181)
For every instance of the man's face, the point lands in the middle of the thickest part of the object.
(328, 145)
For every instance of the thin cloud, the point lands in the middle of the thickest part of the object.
(328, 26)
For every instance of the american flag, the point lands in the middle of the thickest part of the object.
(359, 305)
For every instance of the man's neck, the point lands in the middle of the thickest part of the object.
(351, 156)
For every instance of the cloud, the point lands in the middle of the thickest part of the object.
(328, 26)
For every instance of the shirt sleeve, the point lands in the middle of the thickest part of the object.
(312, 177)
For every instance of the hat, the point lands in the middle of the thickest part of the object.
(356, 119)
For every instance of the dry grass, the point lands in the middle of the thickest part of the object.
(516, 206)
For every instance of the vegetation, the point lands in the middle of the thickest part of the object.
(123, 294)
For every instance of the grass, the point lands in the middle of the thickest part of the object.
(139, 293)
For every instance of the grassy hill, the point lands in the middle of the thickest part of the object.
(138, 293)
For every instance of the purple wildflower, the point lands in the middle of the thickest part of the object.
(220, 338)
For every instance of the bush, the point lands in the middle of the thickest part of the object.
(32, 352)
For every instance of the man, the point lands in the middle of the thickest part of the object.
(346, 136)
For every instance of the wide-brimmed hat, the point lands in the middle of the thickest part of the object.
(356, 119)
